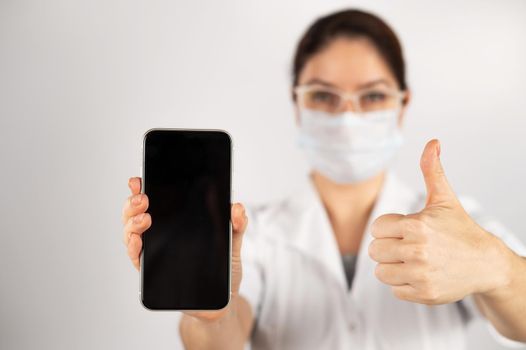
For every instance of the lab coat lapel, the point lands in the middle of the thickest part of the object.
(314, 235)
(395, 197)
(315, 238)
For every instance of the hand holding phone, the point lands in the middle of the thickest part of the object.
(137, 221)
(134, 229)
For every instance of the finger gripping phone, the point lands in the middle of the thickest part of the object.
(186, 255)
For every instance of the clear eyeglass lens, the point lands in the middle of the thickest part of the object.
(334, 103)
(376, 100)
(322, 100)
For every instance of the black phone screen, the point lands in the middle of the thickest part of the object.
(186, 251)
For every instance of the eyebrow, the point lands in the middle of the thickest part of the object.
(361, 86)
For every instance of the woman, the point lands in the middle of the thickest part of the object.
(354, 259)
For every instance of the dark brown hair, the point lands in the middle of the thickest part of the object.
(351, 23)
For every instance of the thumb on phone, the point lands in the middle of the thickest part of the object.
(239, 225)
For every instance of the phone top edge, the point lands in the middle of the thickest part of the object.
(223, 131)
(189, 129)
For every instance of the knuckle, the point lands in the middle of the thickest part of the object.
(131, 225)
(136, 202)
(145, 200)
(147, 218)
(430, 295)
(127, 209)
(143, 223)
(147, 222)
(419, 253)
(414, 225)
(425, 218)
(426, 279)
(398, 293)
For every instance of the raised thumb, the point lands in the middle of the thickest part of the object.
(438, 189)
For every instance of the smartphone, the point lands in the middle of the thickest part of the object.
(186, 255)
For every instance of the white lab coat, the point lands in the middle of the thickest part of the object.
(294, 280)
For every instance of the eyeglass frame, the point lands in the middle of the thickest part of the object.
(299, 90)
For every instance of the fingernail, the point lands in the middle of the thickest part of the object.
(137, 219)
(137, 199)
(438, 149)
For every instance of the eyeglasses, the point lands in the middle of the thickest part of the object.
(334, 101)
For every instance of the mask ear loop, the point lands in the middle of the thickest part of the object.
(404, 99)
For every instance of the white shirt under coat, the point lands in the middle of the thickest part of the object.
(294, 279)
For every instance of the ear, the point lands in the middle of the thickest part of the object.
(405, 103)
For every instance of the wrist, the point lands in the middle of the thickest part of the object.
(499, 273)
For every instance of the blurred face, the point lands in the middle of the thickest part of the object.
(349, 66)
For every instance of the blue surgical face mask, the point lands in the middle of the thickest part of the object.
(350, 147)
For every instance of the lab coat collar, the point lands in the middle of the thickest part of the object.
(314, 235)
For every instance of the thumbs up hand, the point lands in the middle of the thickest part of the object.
(438, 255)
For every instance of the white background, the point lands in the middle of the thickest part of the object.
(81, 81)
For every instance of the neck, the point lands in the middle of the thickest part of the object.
(348, 207)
